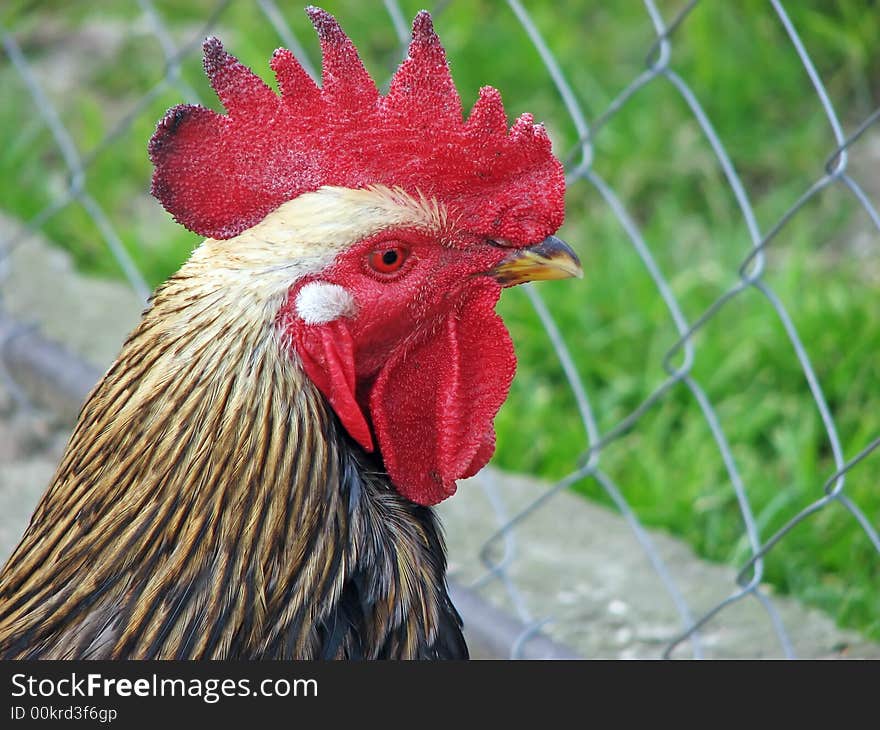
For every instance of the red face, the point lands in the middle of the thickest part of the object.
(403, 287)
(421, 363)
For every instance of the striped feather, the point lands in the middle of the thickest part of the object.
(209, 505)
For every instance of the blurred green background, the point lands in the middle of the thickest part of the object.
(738, 61)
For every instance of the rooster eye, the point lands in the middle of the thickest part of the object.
(389, 259)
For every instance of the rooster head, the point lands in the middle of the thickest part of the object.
(381, 229)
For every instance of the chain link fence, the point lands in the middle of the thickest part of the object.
(501, 550)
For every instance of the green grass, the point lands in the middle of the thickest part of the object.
(742, 68)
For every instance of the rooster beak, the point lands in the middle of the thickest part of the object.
(550, 259)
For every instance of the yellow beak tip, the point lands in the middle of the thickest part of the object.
(551, 259)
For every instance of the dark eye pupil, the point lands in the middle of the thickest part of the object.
(389, 258)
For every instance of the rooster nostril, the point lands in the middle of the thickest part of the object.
(498, 243)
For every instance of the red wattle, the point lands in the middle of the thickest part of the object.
(433, 405)
(328, 357)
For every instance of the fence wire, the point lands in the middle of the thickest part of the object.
(499, 552)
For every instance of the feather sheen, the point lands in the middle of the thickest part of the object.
(209, 504)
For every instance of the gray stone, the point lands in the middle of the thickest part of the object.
(579, 565)
(38, 286)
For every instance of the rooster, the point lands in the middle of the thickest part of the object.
(253, 477)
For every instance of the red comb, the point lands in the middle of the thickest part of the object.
(221, 174)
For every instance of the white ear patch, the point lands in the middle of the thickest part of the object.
(319, 302)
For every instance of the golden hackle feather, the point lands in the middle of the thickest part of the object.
(208, 504)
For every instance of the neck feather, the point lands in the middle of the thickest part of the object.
(209, 505)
